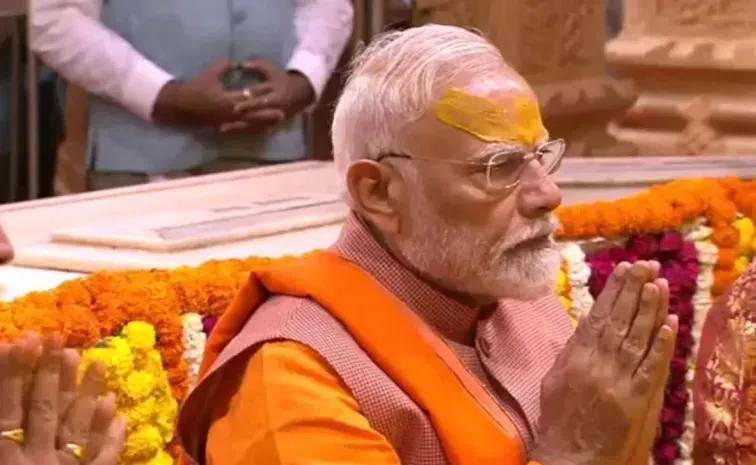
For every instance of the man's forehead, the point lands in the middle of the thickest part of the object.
(501, 110)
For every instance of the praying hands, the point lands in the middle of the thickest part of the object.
(48, 416)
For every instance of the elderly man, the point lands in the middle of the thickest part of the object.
(423, 335)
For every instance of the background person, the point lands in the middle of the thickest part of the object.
(157, 106)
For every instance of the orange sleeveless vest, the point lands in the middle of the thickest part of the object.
(471, 426)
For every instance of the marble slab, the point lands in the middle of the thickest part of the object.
(270, 211)
(16, 281)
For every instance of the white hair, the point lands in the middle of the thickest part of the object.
(395, 79)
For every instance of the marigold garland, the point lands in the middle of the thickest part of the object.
(183, 304)
(134, 372)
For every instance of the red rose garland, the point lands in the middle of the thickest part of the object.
(679, 267)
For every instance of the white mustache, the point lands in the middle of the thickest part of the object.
(535, 230)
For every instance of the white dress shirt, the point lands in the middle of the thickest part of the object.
(70, 38)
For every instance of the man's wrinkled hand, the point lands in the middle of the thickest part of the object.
(57, 416)
(282, 95)
(600, 403)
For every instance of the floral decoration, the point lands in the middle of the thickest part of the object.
(150, 326)
(134, 372)
(194, 343)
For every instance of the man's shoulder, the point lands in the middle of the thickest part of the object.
(297, 317)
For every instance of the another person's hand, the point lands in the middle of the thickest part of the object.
(47, 417)
(201, 101)
(281, 96)
(6, 248)
(601, 401)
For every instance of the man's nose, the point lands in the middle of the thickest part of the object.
(538, 193)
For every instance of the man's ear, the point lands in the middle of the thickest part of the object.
(372, 188)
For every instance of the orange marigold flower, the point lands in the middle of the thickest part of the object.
(722, 280)
(726, 258)
(725, 236)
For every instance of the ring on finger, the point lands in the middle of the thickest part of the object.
(16, 435)
(247, 93)
(76, 450)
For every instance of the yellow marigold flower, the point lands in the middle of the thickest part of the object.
(741, 263)
(143, 444)
(565, 301)
(139, 385)
(116, 354)
(561, 282)
(746, 232)
(166, 417)
(141, 413)
(140, 335)
(149, 360)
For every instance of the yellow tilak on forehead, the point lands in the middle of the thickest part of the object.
(490, 122)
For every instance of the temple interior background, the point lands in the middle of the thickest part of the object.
(655, 98)
(645, 78)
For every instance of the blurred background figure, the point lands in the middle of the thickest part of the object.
(14, 110)
(174, 89)
(149, 92)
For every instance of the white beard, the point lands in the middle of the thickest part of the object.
(455, 257)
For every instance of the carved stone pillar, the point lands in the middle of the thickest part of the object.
(694, 63)
(558, 46)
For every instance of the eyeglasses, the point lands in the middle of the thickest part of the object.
(503, 170)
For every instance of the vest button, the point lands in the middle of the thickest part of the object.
(238, 17)
(484, 347)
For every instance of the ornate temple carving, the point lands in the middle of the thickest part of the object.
(558, 46)
(694, 64)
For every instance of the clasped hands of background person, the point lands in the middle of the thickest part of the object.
(204, 101)
(48, 416)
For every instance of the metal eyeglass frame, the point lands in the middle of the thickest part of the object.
(531, 155)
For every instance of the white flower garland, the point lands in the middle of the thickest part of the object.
(578, 273)
(706, 253)
(194, 344)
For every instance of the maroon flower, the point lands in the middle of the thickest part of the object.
(208, 323)
(679, 366)
(688, 252)
(672, 430)
(667, 414)
(666, 452)
(680, 398)
(671, 243)
(644, 246)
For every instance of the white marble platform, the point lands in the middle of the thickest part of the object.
(45, 260)
(16, 281)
